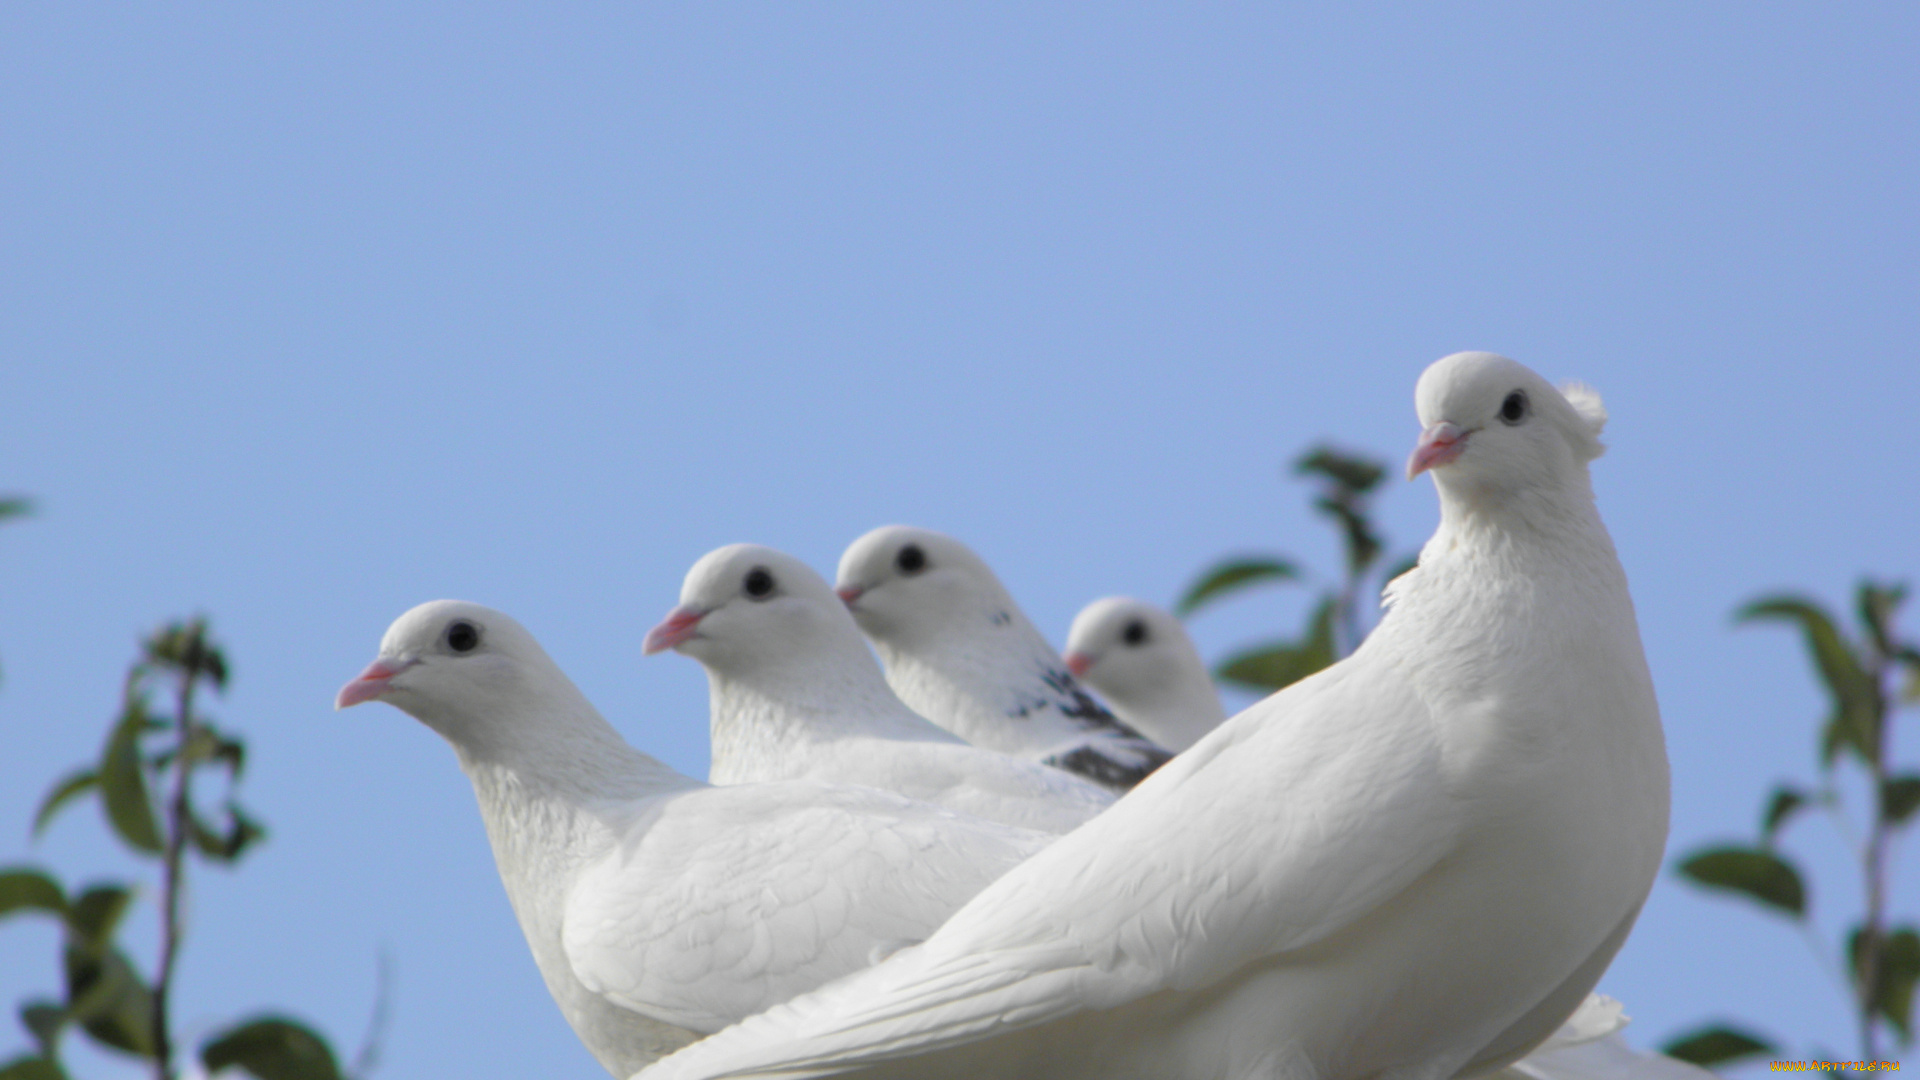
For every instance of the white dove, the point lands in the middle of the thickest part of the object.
(659, 908)
(961, 653)
(796, 695)
(1139, 658)
(1413, 865)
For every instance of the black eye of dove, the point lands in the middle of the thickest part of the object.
(463, 637)
(759, 583)
(1514, 409)
(1135, 633)
(911, 559)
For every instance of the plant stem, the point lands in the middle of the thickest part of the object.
(1873, 930)
(171, 878)
(1870, 947)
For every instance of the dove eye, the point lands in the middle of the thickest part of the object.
(1135, 633)
(1514, 409)
(911, 559)
(759, 583)
(463, 637)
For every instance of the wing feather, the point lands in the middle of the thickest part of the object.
(732, 899)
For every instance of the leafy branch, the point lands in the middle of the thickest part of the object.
(1335, 626)
(105, 996)
(1860, 676)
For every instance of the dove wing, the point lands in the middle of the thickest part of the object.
(728, 900)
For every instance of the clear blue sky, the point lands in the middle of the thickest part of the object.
(309, 316)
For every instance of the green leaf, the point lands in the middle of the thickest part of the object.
(1876, 606)
(1271, 667)
(1267, 668)
(1352, 472)
(1894, 977)
(1352, 477)
(202, 745)
(1761, 875)
(75, 784)
(1856, 699)
(1230, 575)
(32, 1068)
(1899, 968)
(1899, 797)
(109, 999)
(1785, 801)
(186, 649)
(44, 1019)
(13, 506)
(241, 833)
(205, 840)
(123, 782)
(205, 745)
(95, 914)
(272, 1048)
(228, 751)
(1715, 1044)
(24, 888)
(1363, 545)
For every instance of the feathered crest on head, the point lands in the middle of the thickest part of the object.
(1586, 404)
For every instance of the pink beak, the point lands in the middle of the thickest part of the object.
(372, 683)
(1439, 444)
(849, 594)
(1078, 663)
(681, 624)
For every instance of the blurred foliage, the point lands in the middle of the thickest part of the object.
(1334, 627)
(1866, 681)
(149, 749)
(1716, 1043)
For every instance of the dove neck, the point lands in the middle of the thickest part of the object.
(548, 812)
(1175, 704)
(775, 705)
(1517, 560)
(1559, 520)
(553, 742)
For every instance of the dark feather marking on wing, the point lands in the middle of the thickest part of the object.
(1078, 705)
(1092, 763)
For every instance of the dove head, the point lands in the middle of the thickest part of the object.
(745, 608)
(1125, 648)
(1494, 430)
(456, 667)
(907, 586)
